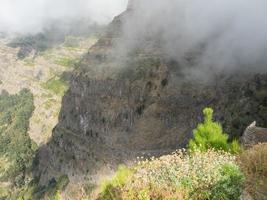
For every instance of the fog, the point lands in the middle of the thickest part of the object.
(33, 16)
(220, 34)
(210, 34)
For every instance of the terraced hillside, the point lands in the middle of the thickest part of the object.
(46, 74)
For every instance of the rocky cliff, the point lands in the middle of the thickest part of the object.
(120, 106)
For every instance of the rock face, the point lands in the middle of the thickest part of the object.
(119, 108)
(254, 135)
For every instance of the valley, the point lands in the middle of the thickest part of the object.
(145, 107)
(43, 74)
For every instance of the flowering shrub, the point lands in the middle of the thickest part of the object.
(181, 176)
(210, 135)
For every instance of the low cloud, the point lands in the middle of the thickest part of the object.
(219, 34)
(32, 16)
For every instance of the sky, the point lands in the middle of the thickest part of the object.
(32, 16)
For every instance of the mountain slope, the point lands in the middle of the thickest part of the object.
(43, 73)
(122, 105)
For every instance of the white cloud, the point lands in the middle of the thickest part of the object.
(29, 16)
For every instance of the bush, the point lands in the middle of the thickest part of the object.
(253, 162)
(230, 185)
(181, 176)
(209, 134)
(119, 179)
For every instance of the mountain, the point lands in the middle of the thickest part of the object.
(126, 103)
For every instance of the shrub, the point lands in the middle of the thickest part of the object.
(230, 185)
(181, 176)
(108, 188)
(253, 162)
(209, 134)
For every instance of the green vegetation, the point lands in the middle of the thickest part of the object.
(29, 62)
(37, 43)
(72, 42)
(119, 180)
(16, 147)
(52, 191)
(207, 171)
(210, 175)
(210, 134)
(139, 68)
(57, 85)
(66, 61)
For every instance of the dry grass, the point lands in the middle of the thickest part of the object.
(254, 164)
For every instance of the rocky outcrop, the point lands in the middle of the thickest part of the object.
(254, 135)
(119, 107)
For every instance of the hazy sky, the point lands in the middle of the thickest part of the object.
(30, 16)
(228, 33)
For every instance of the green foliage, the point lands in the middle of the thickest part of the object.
(119, 179)
(15, 143)
(211, 175)
(29, 62)
(144, 195)
(230, 185)
(16, 148)
(65, 61)
(209, 134)
(235, 147)
(139, 68)
(71, 41)
(57, 85)
(35, 192)
(57, 196)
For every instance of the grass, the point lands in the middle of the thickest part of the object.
(28, 62)
(49, 103)
(72, 42)
(254, 164)
(3, 192)
(119, 180)
(65, 61)
(56, 85)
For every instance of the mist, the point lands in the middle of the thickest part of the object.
(33, 16)
(212, 34)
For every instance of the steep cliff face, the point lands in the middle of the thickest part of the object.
(120, 107)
